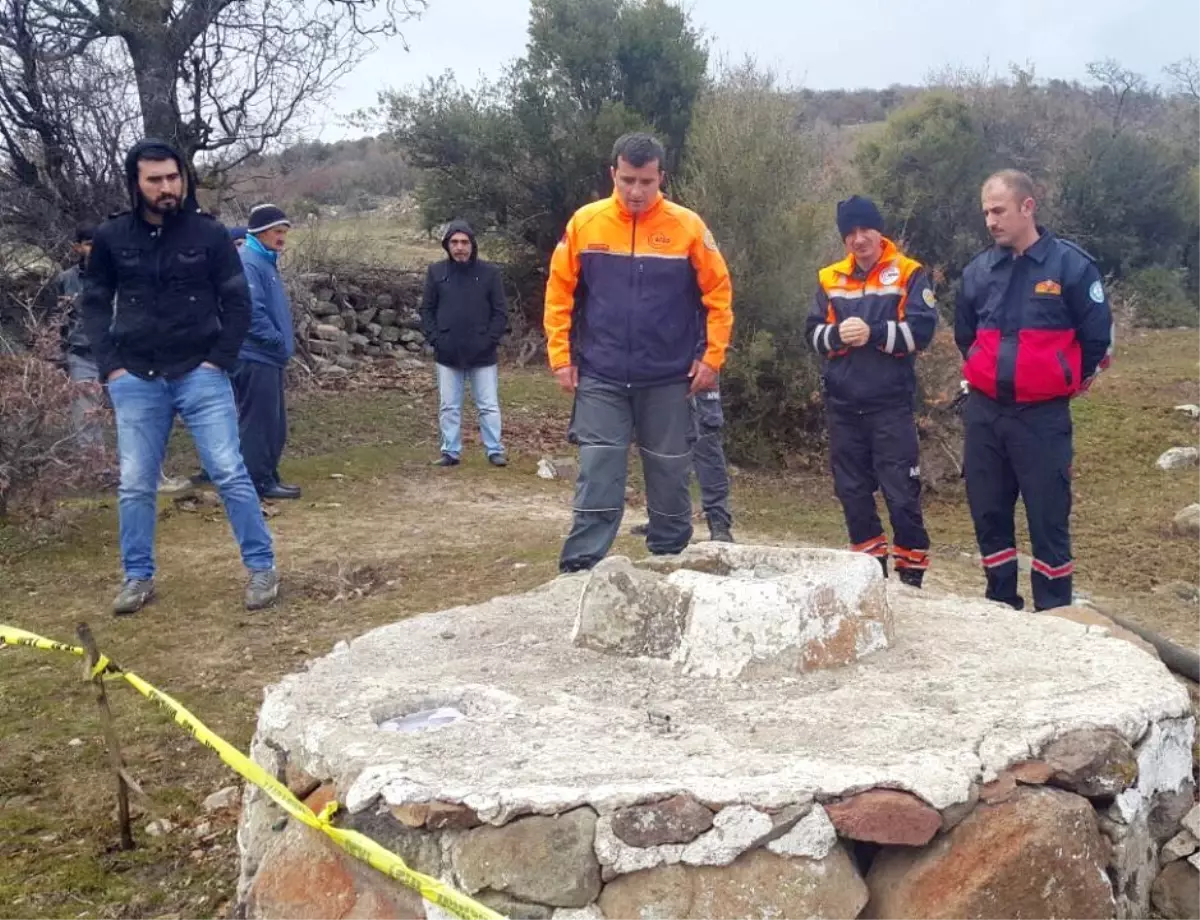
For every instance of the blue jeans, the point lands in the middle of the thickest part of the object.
(145, 411)
(485, 389)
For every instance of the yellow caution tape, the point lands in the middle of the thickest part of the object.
(357, 845)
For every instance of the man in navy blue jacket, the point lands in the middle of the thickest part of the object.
(258, 380)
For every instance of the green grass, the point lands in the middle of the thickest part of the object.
(391, 537)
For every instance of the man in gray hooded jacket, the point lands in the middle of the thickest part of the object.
(464, 316)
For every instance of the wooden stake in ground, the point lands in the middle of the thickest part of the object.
(110, 733)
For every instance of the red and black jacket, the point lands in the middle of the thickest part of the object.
(1033, 327)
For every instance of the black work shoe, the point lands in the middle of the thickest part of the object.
(639, 530)
(279, 492)
(135, 594)
(912, 577)
(568, 568)
(497, 460)
(719, 533)
(883, 565)
(1016, 602)
(446, 460)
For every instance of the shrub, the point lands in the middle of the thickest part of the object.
(1160, 300)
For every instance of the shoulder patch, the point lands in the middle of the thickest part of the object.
(710, 241)
(1096, 292)
(930, 300)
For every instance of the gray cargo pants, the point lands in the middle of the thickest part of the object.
(712, 472)
(604, 423)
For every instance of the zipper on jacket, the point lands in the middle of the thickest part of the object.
(157, 236)
(632, 289)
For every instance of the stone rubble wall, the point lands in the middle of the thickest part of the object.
(340, 322)
(1090, 825)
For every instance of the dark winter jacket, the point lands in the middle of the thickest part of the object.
(69, 285)
(463, 312)
(181, 291)
(270, 339)
(1033, 327)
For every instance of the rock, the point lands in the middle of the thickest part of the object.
(345, 361)
(1189, 410)
(413, 347)
(885, 816)
(227, 797)
(1031, 772)
(436, 816)
(1133, 864)
(1191, 821)
(1090, 616)
(390, 334)
(957, 813)
(374, 330)
(335, 320)
(999, 790)
(365, 316)
(813, 836)
(1164, 758)
(758, 884)
(1092, 762)
(411, 336)
(359, 343)
(1180, 846)
(558, 468)
(680, 819)
(735, 830)
(299, 783)
(512, 908)
(373, 351)
(386, 317)
(1039, 854)
(324, 294)
(1179, 458)
(543, 859)
(159, 827)
(1168, 810)
(329, 349)
(383, 301)
(1187, 522)
(1176, 891)
(591, 912)
(305, 877)
(322, 308)
(629, 611)
(334, 370)
(328, 332)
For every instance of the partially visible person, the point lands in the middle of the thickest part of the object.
(239, 236)
(183, 311)
(873, 311)
(635, 283)
(259, 379)
(464, 315)
(1034, 326)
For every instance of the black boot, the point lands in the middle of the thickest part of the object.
(1016, 602)
(720, 533)
(912, 577)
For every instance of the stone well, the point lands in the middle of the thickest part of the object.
(736, 732)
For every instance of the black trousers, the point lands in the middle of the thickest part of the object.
(879, 450)
(262, 419)
(1021, 449)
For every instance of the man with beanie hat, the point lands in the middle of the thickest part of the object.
(872, 312)
(464, 315)
(183, 310)
(258, 380)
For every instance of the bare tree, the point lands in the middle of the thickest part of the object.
(1119, 87)
(1185, 78)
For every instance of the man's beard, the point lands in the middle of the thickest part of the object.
(167, 204)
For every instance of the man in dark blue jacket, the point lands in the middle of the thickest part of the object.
(183, 309)
(259, 379)
(1034, 327)
(872, 313)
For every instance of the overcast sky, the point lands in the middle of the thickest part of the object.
(817, 43)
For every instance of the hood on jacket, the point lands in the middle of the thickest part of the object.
(162, 150)
(459, 226)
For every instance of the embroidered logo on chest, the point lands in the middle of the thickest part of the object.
(889, 275)
(659, 240)
(1049, 288)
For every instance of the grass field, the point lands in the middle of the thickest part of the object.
(380, 536)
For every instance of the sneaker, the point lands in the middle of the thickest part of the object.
(912, 577)
(174, 485)
(719, 533)
(497, 460)
(639, 530)
(135, 594)
(446, 460)
(262, 589)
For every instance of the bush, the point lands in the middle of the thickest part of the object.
(1159, 299)
(41, 457)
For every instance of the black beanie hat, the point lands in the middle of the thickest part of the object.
(857, 211)
(264, 217)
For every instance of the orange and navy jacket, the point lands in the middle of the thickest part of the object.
(1035, 327)
(896, 301)
(635, 299)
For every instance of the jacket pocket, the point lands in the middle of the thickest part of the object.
(1066, 368)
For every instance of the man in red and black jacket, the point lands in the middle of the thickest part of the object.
(1034, 327)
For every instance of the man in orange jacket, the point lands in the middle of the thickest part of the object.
(638, 317)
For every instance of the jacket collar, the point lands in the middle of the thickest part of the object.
(889, 253)
(626, 215)
(1038, 251)
(260, 250)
